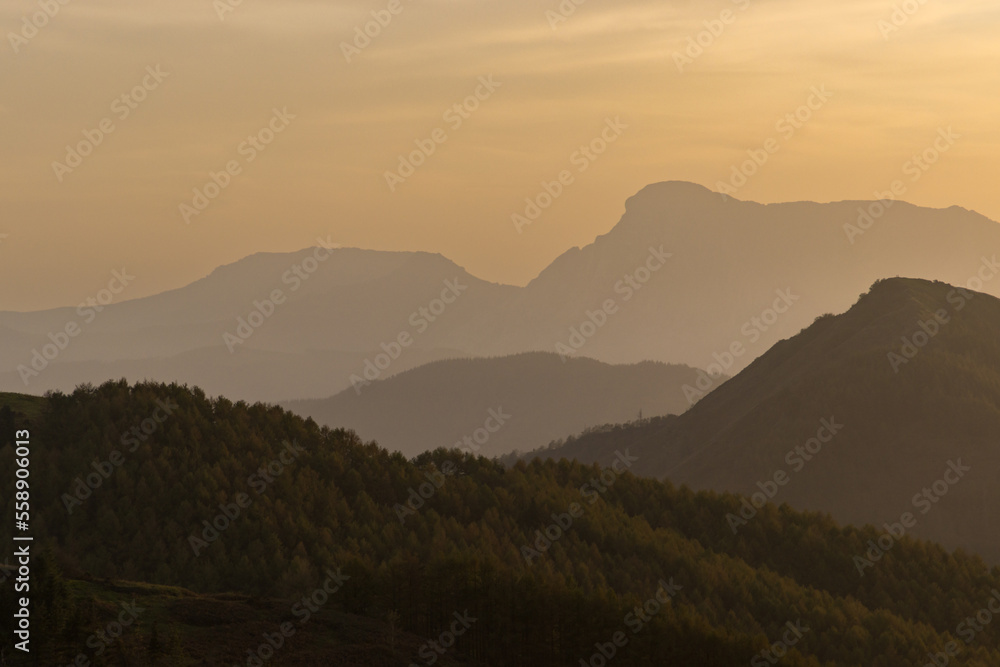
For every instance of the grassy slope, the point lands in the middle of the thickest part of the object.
(30, 406)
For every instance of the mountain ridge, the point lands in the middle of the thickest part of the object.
(718, 264)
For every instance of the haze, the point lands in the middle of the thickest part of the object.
(324, 174)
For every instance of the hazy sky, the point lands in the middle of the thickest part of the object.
(324, 172)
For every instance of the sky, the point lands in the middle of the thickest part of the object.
(119, 119)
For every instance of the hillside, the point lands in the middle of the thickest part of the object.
(904, 405)
(490, 407)
(629, 558)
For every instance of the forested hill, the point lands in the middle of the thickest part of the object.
(314, 503)
(909, 380)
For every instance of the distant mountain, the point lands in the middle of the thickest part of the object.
(264, 538)
(686, 276)
(229, 333)
(736, 265)
(493, 406)
(890, 408)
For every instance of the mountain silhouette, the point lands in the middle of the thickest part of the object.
(687, 276)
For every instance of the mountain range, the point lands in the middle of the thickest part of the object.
(685, 277)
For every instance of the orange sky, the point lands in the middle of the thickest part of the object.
(324, 173)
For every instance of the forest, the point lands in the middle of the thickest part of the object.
(231, 521)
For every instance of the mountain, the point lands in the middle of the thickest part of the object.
(493, 406)
(268, 327)
(686, 276)
(890, 408)
(750, 274)
(174, 529)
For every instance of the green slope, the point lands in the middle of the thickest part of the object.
(30, 406)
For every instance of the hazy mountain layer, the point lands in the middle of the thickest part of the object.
(494, 406)
(686, 276)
